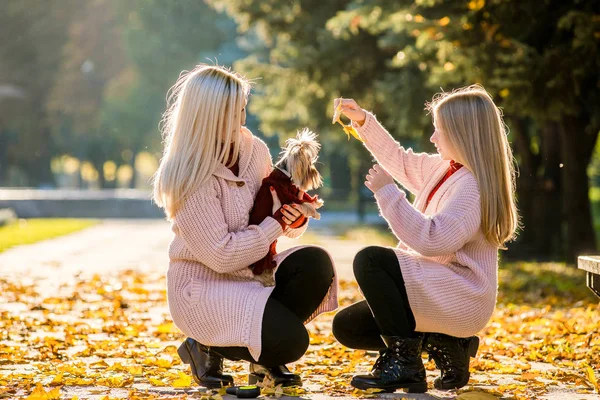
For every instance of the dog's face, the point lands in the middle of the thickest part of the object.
(298, 158)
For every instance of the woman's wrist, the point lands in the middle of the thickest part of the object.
(361, 122)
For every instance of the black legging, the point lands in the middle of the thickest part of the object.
(301, 282)
(385, 311)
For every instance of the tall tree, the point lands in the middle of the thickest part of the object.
(92, 58)
(304, 61)
(161, 39)
(540, 63)
(29, 62)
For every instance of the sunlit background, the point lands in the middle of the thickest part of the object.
(83, 86)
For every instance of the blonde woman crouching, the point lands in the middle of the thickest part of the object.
(437, 288)
(207, 180)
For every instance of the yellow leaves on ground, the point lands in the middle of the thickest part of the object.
(116, 381)
(167, 327)
(592, 378)
(364, 394)
(39, 393)
(476, 396)
(113, 333)
(156, 382)
(184, 380)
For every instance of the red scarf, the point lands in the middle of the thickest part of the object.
(454, 166)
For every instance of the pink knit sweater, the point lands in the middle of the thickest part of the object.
(450, 269)
(212, 294)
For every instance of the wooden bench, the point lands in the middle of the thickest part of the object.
(591, 264)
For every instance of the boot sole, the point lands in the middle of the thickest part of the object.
(186, 358)
(420, 387)
(253, 379)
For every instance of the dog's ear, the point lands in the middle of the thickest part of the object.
(313, 178)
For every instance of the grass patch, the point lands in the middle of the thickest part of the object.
(27, 231)
(371, 235)
(543, 284)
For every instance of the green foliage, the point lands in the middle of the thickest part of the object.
(33, 33)
(530, 283)
(27, 231)
(92, 76)
(539, 62)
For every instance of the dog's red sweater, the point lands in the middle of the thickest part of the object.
(263, 207)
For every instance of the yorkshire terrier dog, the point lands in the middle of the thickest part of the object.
(294, 172)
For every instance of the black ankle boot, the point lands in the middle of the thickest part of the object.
(207, 366)
(451, 356)
(400, 366)
(281, 375)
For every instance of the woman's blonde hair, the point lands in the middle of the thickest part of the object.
(474, 127)
(200, 126)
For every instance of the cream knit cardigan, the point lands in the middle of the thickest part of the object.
(212, 294)
(449, 268)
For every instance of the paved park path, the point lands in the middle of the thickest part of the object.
(115, 245)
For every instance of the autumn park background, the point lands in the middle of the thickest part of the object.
(82, 89)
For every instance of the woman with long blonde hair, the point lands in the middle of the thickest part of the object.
(438, 287)
(208, 177)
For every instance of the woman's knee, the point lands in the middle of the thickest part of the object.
(341, 328)
(365, 261)
(318, 261)
(284, 337)
(288, 347)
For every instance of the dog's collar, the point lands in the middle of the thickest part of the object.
(285, 172)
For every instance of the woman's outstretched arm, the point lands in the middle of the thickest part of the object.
(407, 167)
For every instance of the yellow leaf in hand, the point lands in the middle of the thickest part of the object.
(183, 381)
(348, 129)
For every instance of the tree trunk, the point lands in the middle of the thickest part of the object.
(133, 181)
(538, 194)
(339, 175)
(3, 154)
(526, 187)
(101, 178)
(577, 150)
(39, 169)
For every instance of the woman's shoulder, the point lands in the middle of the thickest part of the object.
(466, 183)
(259, 147)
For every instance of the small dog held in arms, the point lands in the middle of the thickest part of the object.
(294, 173)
